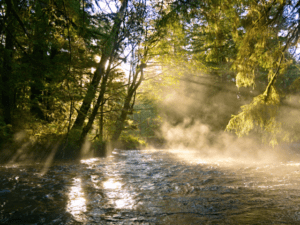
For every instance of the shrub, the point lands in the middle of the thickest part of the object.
(130, 142)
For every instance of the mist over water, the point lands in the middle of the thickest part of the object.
(204, 176)
(196, 114)
(152, 187)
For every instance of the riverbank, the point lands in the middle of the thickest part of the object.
(58, 148)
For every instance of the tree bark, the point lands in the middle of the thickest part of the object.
(7, 93)
(90, 95)
(101, 125)
(119, 126)
(100, 71)
(38, 65)
(35, 98)
(92, 117)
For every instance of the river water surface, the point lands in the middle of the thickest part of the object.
(151, 187)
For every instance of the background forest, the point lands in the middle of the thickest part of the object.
(79, 77)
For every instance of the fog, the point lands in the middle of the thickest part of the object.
(196, 114)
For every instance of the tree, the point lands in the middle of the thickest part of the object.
(135, 36)
(52, 85)
(271, 29)
(108, 51)
(253, 38)
(7, 85)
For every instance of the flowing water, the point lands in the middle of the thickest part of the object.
(151, 187)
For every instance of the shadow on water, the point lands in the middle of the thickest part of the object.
(27, 197)
(150, 187)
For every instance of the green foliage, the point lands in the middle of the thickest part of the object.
(48, 51)
(72, 140)
(262, 48)
(98, 146)
(130, 142)
(291, 81)
(259, 115)
(146, 118)
(6, 132)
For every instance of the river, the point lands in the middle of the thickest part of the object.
(151, 187)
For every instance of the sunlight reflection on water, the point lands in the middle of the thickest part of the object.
(155, 187)
(111, 184)
(77, 202)
(89, 161)
(121, 198)
(125, 203)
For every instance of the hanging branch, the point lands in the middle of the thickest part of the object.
(273, 79)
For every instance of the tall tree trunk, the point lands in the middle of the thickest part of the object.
(35, 98)
(38, 65)
(101, 125)
(7, 87)
(119, 125)
(90, 95)
(92, 117)
(36, 84)
(100, 71)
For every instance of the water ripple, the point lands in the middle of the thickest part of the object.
(151, 187)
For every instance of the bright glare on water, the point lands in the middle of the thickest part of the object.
(77, 202)
(111, 184)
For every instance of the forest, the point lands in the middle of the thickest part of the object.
(81, 77)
